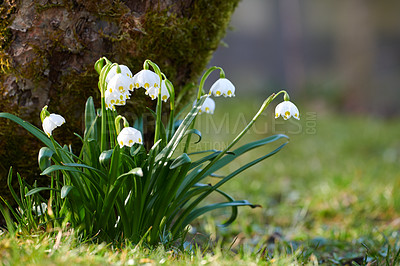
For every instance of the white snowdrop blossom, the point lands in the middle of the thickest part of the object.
(146, 79)
(113, 71)
(51, 122)
(287, 109)
(223, 87)
(153, 92)
(38, 209)
(117, 91)
(207, 107)
(129, 136)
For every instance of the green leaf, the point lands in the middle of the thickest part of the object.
(163, 135)
(54, 168)
(193, 131)
(112, 195)
(167, 152)
(30, 128)
(115, 165)
(6, 215)
(135, 150)
(105, 158)
(10, 186)
(38, 189)
(44, 158)
(65, 190)
(78, 165)
(182, 159)
(180, 221)
(197, 212)
(228, 158)
(90, 120)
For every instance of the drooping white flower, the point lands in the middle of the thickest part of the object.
(287, 109)
(51, 122)
(153, 92)
(38, 209)
(146, 79)
(223, 87)
(117, 91)
(113, 71)
(207, 107)
(129, 136)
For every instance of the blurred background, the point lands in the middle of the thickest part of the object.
(343, 55)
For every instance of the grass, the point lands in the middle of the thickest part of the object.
(329, 197)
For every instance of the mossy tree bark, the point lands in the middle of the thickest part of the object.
(48, 48)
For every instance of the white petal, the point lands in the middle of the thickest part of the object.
(48, 126)
(152, 92)
(286, 109)
(207, 107)
(146, 79)
(57, 119)
(129, 136)
(51, 122)
(223, 87)
(113, 71)
(164, 91)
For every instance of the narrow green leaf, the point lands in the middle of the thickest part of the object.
(182, 159)
(38, 189)
(197, 212)
(54, 168)
(193, 131)
(65, 190)
(10, 187)
(44, 158)
(167, 152)
(114, 167)
(6, 215)
(179, 223)
(112, 195)
(90, 119)
(30, 128)
(78, 165)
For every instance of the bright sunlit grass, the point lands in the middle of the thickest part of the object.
(331, 195)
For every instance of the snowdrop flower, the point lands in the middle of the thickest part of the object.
(207, 107)
(146, 79)
(287, 109)
(223, 87)
(129, 136)
(52, 121)
(153, 92)
(117, 91)
(113, 71)
(38, 209)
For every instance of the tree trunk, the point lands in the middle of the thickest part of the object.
(48, 49)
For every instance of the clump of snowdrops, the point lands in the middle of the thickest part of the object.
(115, 189)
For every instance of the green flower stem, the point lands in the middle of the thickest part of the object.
(102, 88)
(241, 134)
(171, 91)
(204, 77)
(205, 169)
(199, 93)
(103, 141)
(159, 100)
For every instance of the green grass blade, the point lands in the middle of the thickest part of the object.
(39, 189)
(30, 128)
(197, 212)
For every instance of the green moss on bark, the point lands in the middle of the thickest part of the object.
(181, 42)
